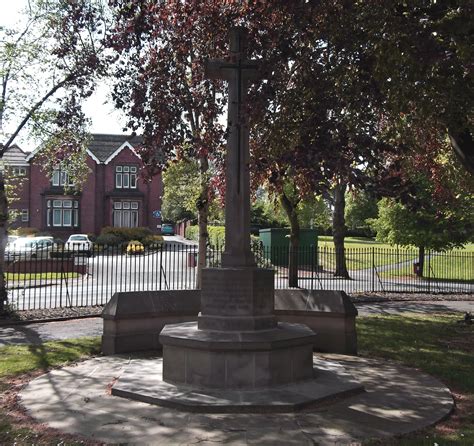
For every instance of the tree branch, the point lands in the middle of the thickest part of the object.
(33, 110)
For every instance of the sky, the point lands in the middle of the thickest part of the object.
(98, 108)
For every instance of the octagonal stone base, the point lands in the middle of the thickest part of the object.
(237, 360)
(332, 383)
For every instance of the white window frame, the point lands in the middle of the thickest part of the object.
(61, 178)
(62, 213)
(25, 215)
(126, 176)
(125, 214)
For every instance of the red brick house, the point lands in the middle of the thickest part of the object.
(115, 193)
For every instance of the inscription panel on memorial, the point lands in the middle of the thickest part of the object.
(237, 292)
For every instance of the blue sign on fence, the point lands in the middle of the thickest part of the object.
(157, 214)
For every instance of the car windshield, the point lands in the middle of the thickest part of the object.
(78, 238)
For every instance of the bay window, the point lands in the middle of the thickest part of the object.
(62, 213)
(125, 214)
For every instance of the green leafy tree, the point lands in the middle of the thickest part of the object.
(360, 206)
(181, 190)
(426, 226)
(48, 63)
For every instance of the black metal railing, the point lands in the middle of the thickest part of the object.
(68, 278)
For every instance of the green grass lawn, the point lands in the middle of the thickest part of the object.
(364, 252)
(437, 345)
(450, 266)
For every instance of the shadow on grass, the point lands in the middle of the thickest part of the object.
(437, 344)
(18, 359)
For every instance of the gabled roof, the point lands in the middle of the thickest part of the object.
(105, 147)
(14, 156)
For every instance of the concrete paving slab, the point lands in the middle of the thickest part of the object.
(77, 399)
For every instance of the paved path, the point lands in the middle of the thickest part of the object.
(77, 400)
(36, 333)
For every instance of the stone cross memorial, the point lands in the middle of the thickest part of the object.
(237, 357)
(237, 71)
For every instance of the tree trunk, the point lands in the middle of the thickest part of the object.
(421, 261)
(203, 215)
(290, 209)
(463, 146)
(3, 242)
(339, 230)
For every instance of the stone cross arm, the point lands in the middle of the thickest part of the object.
(224, 69)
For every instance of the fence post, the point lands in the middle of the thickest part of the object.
(161, 262)
(373, 269)
(429, 272)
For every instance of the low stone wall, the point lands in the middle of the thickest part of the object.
(330, 314)
(134, 320)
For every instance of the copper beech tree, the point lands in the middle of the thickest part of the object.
(342, 81)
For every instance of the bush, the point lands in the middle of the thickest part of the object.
(109, 239)
(153, 241)
(27, 232)
(192, 233)
(216, 235)
(126, 234)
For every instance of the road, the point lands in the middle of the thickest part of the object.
(173, 268)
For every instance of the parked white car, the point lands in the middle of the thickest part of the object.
(25, 248)
(80, 244)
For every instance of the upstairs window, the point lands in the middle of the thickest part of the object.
(18, 171)
(126, 177)
(61, 178)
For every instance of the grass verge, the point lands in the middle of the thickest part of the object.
(15, 277)
(435, 344)
(18, 364)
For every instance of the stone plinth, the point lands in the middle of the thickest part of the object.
(142, 381)
(237, 360)
(235, 299)
(330, 313)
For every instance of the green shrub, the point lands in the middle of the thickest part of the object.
(216, 235)
(126, 234)
(26, 232)
(192, 233)
(109, 239)
(153, 241)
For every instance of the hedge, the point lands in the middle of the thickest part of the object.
(118, 236)
(216, 236)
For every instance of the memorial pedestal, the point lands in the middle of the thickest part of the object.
(237, 343)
